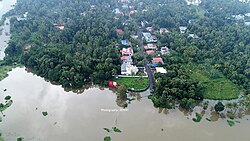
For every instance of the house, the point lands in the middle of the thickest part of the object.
(125, 42)
(155, 61)
(183, 29)
(132, 12)
(127, 68)
(59, 26)
(149, 52)
(127, 51)
(134, 36)
(149, 28)
(194, 36)
(149, 38)
(163, 30)
(193, 2)
(151, 46)
(160, 70)
(92, 7)
(247, 14)
(239, 17)
(119, 31)
(25, 15)
(245, 1)
(154, 39)
(142, 24)
(117, 11)
(124, 57)
(125, 6)
(112, 83)
(165, 50)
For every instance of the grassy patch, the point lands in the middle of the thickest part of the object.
(217, 86)
(134, 83)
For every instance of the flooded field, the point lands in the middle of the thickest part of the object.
(82, 116)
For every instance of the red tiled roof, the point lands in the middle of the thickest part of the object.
(124, 57)
(157, 60)
(120, 31)
(146, 47)
(150, 52)
(126, 51)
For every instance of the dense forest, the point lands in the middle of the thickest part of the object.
(86, 49)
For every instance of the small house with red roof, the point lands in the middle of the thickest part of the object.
(149, 52)
(59, 26)
(119, 31)
(155, 61)
(127, 51)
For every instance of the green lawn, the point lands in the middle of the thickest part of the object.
(4, 71)
(219, 88)
(134, 83)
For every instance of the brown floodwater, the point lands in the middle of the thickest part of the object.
(76, 117)
(5, 6)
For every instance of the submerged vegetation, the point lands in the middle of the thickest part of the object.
(107, 138)
(117, 130)
(230, 123)
(197, 118)
(6, 105)
(45, 113)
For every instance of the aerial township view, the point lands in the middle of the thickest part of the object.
(124, 70)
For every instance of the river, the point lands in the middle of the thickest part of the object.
(83, 116)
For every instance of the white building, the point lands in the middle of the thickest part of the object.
(183, 29)
(127, 68)
(165, 50)
(193, 2)
(160, 70)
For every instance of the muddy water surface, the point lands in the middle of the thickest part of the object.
(83, 116)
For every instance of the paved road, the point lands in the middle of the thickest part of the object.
(148, 70)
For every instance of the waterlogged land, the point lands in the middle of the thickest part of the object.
(76, 116)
